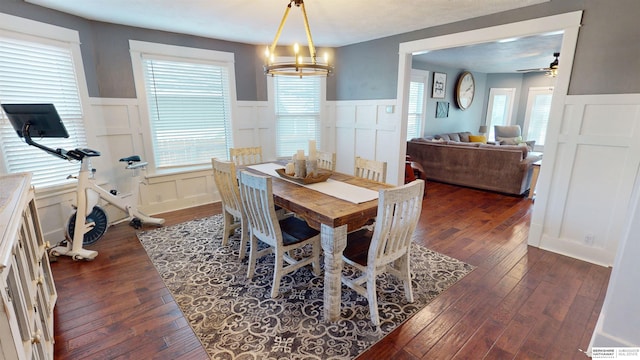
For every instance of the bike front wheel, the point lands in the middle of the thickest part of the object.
(97, 216)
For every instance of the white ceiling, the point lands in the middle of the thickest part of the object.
(333, 23)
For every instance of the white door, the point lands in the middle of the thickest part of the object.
(537, 116)
(500, 109)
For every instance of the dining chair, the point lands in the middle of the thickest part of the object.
(224, 175)
(326, 160)
(283, 237)
(387, 247)
(246, 155)
(371, 169)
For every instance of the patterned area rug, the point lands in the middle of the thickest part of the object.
(235, 318)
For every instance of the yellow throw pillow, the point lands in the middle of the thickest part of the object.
(478, 139)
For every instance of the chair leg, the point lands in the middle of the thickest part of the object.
(373, 299)
(227, 231)
(316, 259)
(253, 254)
(405, 272)
(277, 273)
(244, 239)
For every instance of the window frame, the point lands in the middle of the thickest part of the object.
(321, 141)
(532, 93)
(38, 32)
(493, 92)
(138, 49)
(419, 76)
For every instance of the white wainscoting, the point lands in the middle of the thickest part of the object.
(582, 205)
(364, 128)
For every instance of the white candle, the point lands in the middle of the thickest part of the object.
(300, 155)
(312, 149)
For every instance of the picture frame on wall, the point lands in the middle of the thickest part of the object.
(439, 85)
(442, 109)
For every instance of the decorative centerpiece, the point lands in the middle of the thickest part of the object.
(321, 175)
(303, 170)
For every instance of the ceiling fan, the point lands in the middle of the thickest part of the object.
(552, 70)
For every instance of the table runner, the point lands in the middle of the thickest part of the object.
(337, 189)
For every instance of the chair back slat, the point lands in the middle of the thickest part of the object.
(257, 201)
(399, 210)
(246, 155)
(371, 169)
(326, 160)
(224, 175)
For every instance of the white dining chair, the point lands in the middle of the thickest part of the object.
(246, 155)
(283, 236)
(387, 247)
(326, 160)
(371, 169)
(225, 177)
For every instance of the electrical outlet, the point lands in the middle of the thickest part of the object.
(589, 239)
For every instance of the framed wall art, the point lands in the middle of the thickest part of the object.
(442, 109)
(439, 85)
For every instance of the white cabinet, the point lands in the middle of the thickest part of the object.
(27, 290)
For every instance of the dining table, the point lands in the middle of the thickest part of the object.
(341, 204)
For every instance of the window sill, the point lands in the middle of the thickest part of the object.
(168, 172)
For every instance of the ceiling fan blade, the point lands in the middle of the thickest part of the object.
(534, 70)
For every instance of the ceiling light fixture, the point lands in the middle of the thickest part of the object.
(298, 67)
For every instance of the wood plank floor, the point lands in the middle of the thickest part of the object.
(519, 303)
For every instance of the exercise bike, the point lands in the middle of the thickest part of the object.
(96, 221)
(43, 120)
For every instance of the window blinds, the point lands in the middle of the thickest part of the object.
(416, 104)
(297, 106)
(189, 110)
(31, 72)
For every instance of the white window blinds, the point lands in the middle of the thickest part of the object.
(189, 110)
(297, 106)
(31, 72)
(416, 106)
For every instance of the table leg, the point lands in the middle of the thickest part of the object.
(334, 240)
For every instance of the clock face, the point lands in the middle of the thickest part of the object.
(465, 90)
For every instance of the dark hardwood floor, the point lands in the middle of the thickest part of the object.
(519, 303)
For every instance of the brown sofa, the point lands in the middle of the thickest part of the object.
(502, 168)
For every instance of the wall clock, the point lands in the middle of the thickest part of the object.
(465, 89)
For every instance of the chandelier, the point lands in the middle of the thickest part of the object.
(298, 67)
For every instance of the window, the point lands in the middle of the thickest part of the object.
(500, 109)
(537, 115)
(188, 103)
(297, 108)
(41, 70)
(417, 103)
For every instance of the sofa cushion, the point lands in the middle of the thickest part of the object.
(464, 136)
(453, 137)
(478, 139)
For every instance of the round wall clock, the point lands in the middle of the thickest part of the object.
(465, 89)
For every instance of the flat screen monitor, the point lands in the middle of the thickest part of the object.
(43, 120)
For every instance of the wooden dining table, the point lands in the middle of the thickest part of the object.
(334, 218)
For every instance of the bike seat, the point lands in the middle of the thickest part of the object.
(130, 159)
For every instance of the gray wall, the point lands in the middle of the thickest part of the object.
(607, 55)
(458, 120)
